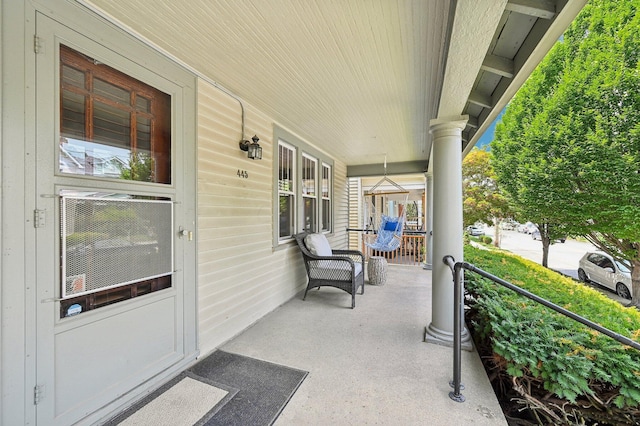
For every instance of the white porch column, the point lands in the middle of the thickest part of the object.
(447, 225)
(428, 263)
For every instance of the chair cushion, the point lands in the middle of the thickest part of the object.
(318, 245)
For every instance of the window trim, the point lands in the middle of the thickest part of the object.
(293, 192)
(302, 149)
(305, 196)
(328, 198)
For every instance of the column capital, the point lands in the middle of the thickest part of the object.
(457, 123)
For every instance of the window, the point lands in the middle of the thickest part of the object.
(309, 193)
(286, 190)
(111, 125)
(305, 187)
(326, 197)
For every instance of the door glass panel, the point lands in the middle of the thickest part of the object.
(143, 129)
(111, 91)
(143, 104)
(72, 76)
(112, 125)
(73, 114)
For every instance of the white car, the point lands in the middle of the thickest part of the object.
(601, 268)
(527, 228)
(475, 230)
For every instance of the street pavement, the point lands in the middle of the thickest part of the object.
(563, 257)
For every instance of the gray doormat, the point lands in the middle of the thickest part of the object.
(264, 388)
(245, 391)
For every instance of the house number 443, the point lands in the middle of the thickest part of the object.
(243, 174)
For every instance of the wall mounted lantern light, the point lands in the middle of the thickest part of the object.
(254, 150)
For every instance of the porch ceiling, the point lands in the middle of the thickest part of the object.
(359, 79)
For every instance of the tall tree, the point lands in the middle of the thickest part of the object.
(529, 167)
(482, 199)
(576, 130)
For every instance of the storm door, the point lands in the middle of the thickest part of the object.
(115, 311)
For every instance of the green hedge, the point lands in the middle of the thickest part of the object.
(569, 360)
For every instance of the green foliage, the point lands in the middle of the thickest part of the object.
(486, 239)
(140, 168)
(568, 148)
(482, 199)
(566, 358)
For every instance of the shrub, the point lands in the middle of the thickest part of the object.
(560, 368)
(486, 239)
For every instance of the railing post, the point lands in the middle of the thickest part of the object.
(458, 311)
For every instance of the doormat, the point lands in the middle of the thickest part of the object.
(186, 402)
(264, 388)
(222, 389)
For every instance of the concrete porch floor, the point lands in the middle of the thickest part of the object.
(369, 365)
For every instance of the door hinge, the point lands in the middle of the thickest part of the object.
(38, 394)
(37, 45)
(39, 218)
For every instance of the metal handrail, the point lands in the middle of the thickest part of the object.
(456, 268)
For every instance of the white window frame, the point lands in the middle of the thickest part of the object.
(288, 191)
(309, 193)
(326, 196)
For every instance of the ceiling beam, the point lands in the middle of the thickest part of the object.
(480, 99)
(400, 168)
(472, 122)
(498, 65)
(545, 9)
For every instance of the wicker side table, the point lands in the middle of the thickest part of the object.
(377, 270)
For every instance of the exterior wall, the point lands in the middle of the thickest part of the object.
(340, 239)
(355, 213)
(241, 276)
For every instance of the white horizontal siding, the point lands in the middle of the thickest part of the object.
(355, 201)
(339, 239)
(240, 275)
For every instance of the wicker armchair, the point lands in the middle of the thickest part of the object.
(343, 269)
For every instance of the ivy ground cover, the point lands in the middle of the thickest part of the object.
(547, 368)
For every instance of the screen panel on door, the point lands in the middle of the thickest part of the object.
(110, 242)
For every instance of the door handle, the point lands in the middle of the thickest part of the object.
(182, 233)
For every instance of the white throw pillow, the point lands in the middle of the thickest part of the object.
(318, 245)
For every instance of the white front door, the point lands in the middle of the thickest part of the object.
(114, 225)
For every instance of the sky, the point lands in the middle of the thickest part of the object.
(487, 137)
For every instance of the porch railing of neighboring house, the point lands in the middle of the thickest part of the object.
(410, 252)
(458, 317)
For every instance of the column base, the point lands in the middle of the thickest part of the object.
(445, 338)
(427, 266)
